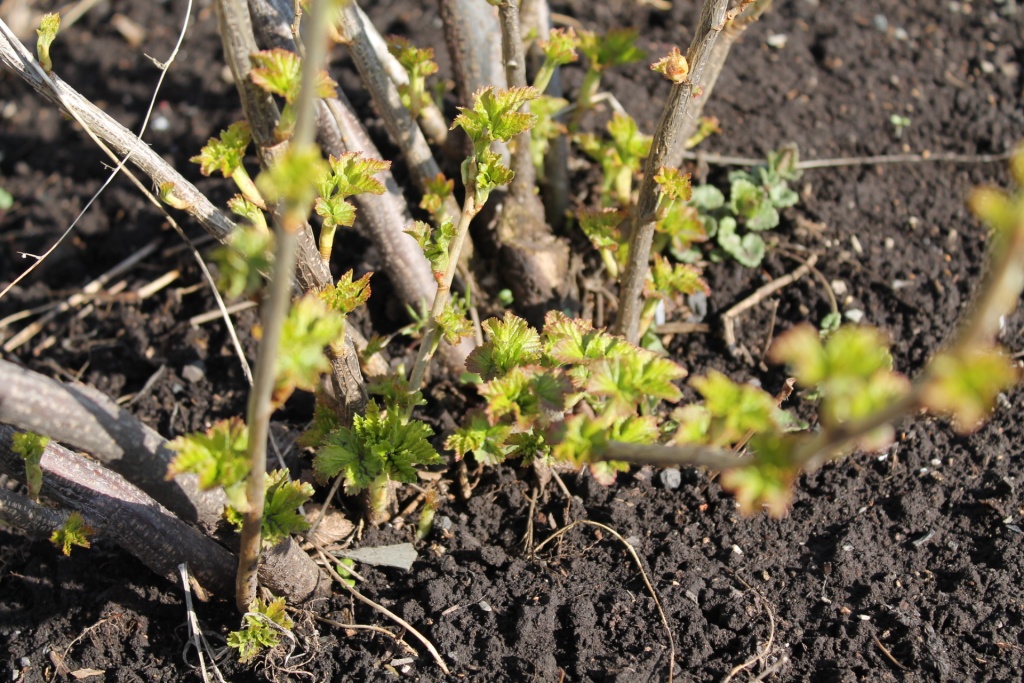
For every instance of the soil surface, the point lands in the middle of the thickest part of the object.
(905, 566)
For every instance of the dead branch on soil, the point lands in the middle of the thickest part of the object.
(759, 295)
(643, 575)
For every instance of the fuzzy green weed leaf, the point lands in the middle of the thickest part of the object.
(751, 202)
(965, 385)
(74, 532)
(241, 262)
(309, 327)
(224, 154)
(748, 250)
(434, 243)
(615, 48)
(767, 482)
(347, 294)
(279, 72)
(263, 625)
(707, 197)
(511, 342)
(49, 25)
(219, 457)
(486, 442)
(30, 447)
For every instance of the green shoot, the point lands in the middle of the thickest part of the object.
(602, 229)
(708, 126)
(240, 206)
(309, 327)
(899, 123)
(547, 128)
(264, 623)
(426, 520)
(346, 295)
(452, 322)
(965, 385)
(495, 116)
(242, 261)
(167, 196)
(479, 438)
(438, 191)
(419, 63)
(435, 244)
(343, 568)
(350, 174)
(511, 343)
(281, 518)
(217, 456)
(293, 180)
(31, 447)
(279, 72)
(225, 154)
(47, 32)
(667, 282)
(620, 157)
(559, 49)
(73, 532)
(378, 448)
(615, 48)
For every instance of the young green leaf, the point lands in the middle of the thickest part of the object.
(240, 206)
(325, 421)
(309, 327)
(74, 532)
(242, 261)
(575, 341)
(671, 280)
(768, 480)
(453, 323)
(486, 442)
(601, 226)
(559, 49)
(224, 154)
(633, 379)
(752, 203)
(511, 342)
(263, 626)
(674, 184)
(620, 156)
(526, 396)
(279, 72)
(965, 385)
(347, 294)
(748, 250)
(734, 410)
(439, 189)
(47, 32)
(31, 447)
(615, 48)
(495, 116)
(281, 518)
(219, 457)
(294, 178)
(434, 243)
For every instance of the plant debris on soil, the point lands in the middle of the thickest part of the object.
(901, 566)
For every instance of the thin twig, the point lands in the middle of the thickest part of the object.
(888, 655)
(368, 627)
(809, 164)
(196, 637)
(380, 608)
(759, 295)
(643, 575)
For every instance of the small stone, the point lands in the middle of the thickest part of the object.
(777, 40)
(839, 287)
(194, 372)
(736, 549)
(901, 34)
(854, 315)
(855, 243)
(881, 23)
(160, 123)
(670, 478)
(987, 67)
(889, 243)
(485, 606)
(24, 662)
(444, 523)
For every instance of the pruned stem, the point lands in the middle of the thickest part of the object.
(675, 113)
(524, 182)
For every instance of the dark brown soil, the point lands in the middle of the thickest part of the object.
(904, 567)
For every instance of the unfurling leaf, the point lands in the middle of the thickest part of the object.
(495, 116)
(673, 279)
(734, 410)
(526, 396)
(434, 243)
(281, 517)
(294, 179)
(347, 294)
(965, 384)
(633, 379)
(279, 72)
(224, 154)
(602, 227)
(674, 184)
(47, 32)
(439, 189)
(30, 447)
(453, 323)
(74, 532)
(259, 635)
(309, 327)
(511, 343)
(486, 442)
(219, 457)
(615, 48)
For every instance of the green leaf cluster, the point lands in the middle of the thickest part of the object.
(224, 154)
(418, 63)
(435, 243)
(30, 447)
(309, 327)
(243, 260)
(281, 517)
(559, 49)
(219, 457)
(263, 625)
(755, 198)
(279, 72)
(620, 155)
(495, 116)
(964, 384)
(347, 294)
(535, 381)
(439, 189)
(379, 447)
(293, 180)
(851, 370)
(73, 532)
(615, 48)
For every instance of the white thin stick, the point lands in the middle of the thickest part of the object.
(198, 640)
(163, 67)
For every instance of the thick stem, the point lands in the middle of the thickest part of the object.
(123, 514)
(524, 182)
(644, 216)
(734, 28)
(84, 418)
(469, 30)
(430, 334)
